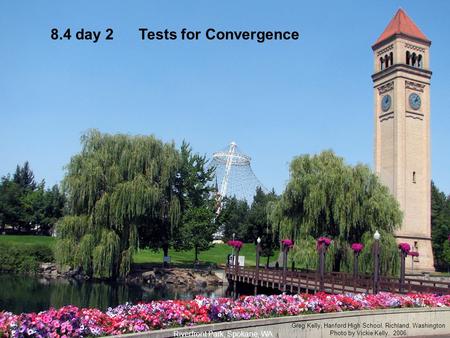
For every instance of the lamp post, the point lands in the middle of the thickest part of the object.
(402, 270)
(322, 246)
(322, 266)
(286, 244)
(405, 248)
(376, 261)
(258, 250)
(357, 248)
(236, 269)
(285, 251)
(232, 250)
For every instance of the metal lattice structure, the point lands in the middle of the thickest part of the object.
(234, 175)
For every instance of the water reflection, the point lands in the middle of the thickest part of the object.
(32, 294)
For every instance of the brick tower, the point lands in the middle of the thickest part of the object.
(402, 129)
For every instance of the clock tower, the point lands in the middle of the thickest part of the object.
(402, 129)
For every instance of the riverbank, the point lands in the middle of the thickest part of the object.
(152, 275)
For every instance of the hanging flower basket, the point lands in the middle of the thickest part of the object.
(405, 248)
(357, 247)
(287, 243)
(235, 244)
(413, 254)
(323, 241)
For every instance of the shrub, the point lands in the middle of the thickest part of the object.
(23, 258)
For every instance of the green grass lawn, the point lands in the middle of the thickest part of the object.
(28, 239)
(216, 255)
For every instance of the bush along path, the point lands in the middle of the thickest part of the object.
(70, 321)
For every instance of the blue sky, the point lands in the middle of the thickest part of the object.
(276, 100)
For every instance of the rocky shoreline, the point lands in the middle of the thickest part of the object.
(152, 276)
(177, 277)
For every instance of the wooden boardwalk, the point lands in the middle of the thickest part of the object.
(333, 282)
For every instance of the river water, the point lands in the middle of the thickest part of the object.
(32, 294)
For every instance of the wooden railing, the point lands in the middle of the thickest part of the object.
(333, 282)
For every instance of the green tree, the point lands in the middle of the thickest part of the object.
(445, 256)
(43, 208)
(10, 203)
(14, 198)
(26, 205)
(440, 226)
(257, 215)
(198, 229)
(197, 204)
(233, 218)
(24, 177)
(194, 177)
(118, 187)
(327, 197)
(258, 223)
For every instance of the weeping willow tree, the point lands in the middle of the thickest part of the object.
(327, 197)
(118, 186)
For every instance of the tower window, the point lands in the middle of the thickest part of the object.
(419, 61)
(408, 58)
(386, 61)
(381, 63)
(414, 177)
(391, 58)
(414, 60)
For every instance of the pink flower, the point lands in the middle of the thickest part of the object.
(288, 243)
(235, 244)
(70, 321)
(357, 247)
(323, 241)
(404, 247)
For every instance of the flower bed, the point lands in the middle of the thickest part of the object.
(70, 321)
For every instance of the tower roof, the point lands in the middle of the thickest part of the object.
(402, 24)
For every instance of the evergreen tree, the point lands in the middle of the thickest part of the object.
(234, 219)
(11, 212)
(24, 177)
(27, 206)
(258, 223)
(445, 256)
(197, 204)
(440, 226)
(257, 215)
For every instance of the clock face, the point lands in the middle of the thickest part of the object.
(415, 101)
(386, 102)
